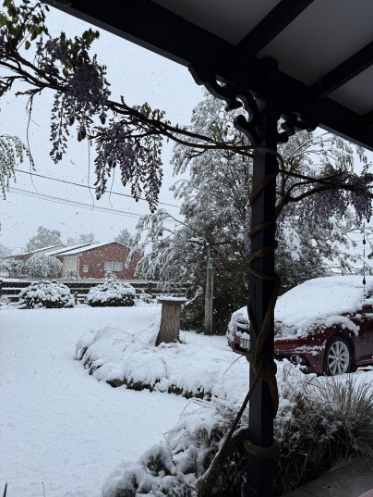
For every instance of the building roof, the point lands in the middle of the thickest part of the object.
(44, 249)
(67, 249)
(324, 49)
(87, 248)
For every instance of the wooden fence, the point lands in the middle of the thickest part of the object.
(11, 289)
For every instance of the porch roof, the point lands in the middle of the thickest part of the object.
(324, 48)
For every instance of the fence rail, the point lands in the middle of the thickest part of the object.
(12, 289)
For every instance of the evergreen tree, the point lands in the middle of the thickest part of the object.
(124, 237)
(44, 238)
(4, 251)
(87, 238)
(84, 238)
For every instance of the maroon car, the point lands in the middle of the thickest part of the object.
(324, 324)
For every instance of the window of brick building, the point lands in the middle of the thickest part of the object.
(85, 268)
(113, 266)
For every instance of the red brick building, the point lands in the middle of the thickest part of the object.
(92, 261)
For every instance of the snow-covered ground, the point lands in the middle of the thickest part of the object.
(61, 430)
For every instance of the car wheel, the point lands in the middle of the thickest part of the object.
(337, 357)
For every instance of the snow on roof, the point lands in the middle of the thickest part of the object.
(90, 247)
(44, 248)
(67, 249)
(318, 301)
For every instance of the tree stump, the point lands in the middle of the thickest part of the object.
(170, 320)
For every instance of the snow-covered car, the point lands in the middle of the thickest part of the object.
(324, 324)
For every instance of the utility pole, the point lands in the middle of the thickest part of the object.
(209, 294)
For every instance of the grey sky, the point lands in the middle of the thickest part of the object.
(137, 74)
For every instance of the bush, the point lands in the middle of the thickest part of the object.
(47, 294)
(111, 293)
(321, 422)
(12, 267)
(71, 275)
(43, 266)
(145, 298)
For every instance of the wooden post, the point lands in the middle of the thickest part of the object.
(170, 320)
(261, 472)
(209, 295)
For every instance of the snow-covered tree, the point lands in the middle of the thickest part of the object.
(4, 251)
(44, 238)
(13, 267)
(43, 266)
(214, 217)
(83, 238)
(124, 237)
(87, 238)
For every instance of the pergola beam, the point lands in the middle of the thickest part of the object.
(159, 30)
(276, 21)
(343, 73)
(368, 120)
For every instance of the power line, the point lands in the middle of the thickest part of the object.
(74, 203)
(89, 187)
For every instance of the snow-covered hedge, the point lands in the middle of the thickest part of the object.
(47, 294)
(111, 293)
(320, 422)
(199, 366)
(71, 275)
(43, 266)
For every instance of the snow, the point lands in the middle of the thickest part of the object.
(319, 301)
(182, 300)
(110, 292)
(45, 294)
(49, 247)
(68, 249)
(322, 298)
(128, 354)
(64, 432)
(89, 247)
(59, 427)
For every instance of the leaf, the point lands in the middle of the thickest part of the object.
(27, 45)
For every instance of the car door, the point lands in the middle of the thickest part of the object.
(363, 341)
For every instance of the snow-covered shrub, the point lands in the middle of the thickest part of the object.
(12, 267)
(145, 298)
(4, 267)
(43, 266)
(321, 422)
(153, 474)
(4, 302)
(111, 293)
(71, 275)
(49, 294)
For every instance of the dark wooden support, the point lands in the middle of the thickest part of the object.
(367, 120)
(260, 472)
(170, 320)
(276, 21)
(346, 71)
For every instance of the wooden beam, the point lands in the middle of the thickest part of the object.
(367, 120)
(159, 30)
(276, 21)
(346, 71)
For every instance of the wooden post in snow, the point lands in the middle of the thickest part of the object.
(170, 320)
